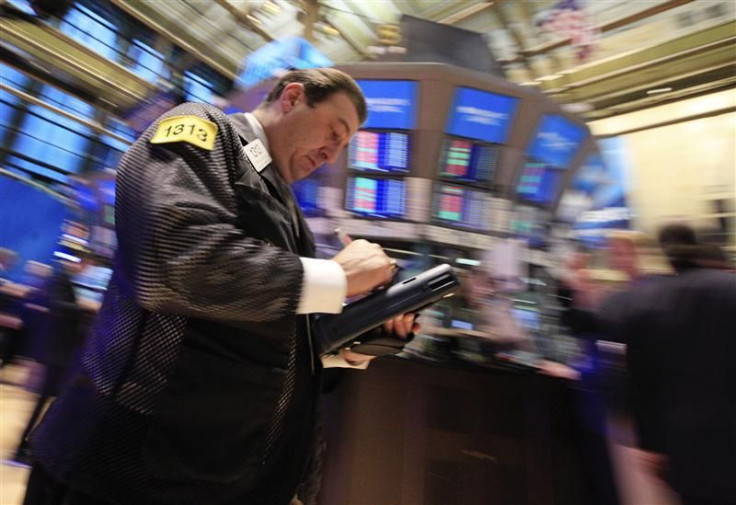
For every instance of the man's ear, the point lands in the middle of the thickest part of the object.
(291, 96)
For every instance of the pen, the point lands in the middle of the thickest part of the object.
(343, 237)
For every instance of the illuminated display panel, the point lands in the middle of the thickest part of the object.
(379, 152)
(306, 192)
(556, 141)
(460, 206)
(466, 161)
(391, 103)
(376, 197)
(481, 115)
(539, 182)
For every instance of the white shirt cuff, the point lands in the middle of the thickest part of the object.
(324, 287)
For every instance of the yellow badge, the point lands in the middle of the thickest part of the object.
(195, 130)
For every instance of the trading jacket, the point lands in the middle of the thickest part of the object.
(198, 383)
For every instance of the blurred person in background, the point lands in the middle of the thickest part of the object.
(10, 322)
(680, 341)
(199, 382)
(52, 320)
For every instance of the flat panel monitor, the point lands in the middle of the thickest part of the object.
(379, 151)
(539, 182)
(391, 103)
(556, 141)
(459, 206)
(481, 115)
(466, 161)
(376, 197)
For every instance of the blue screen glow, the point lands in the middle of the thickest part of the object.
(373, 197)
(556, 141)
(481, 115)
(391, 104)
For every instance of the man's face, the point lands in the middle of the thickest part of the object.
(307, 136)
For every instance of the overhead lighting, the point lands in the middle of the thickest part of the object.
(271, 7)
(656, 91)
(548, 77)
(254, 19)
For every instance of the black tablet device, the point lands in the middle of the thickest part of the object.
(336, 331)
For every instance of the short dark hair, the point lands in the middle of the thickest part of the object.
(680, 245)
(320, 84)
(676, 234)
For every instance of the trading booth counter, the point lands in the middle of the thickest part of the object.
(409, 431)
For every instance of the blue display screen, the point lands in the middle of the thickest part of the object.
(459, 206)
(374, 197)
(306, 192)
(467, 161)
(556, 141)
(539, 182)
(481, 115)
(391, 104)
(379, 151)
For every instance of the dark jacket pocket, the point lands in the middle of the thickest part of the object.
(212, 420)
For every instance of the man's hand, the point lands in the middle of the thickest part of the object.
(366, 266)
(400, 326)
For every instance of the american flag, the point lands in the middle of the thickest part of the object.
(568, 20)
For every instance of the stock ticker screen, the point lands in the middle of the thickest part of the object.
(376, 197)
(466, 161)
(379, 152)
(539, 182)
(459, 206)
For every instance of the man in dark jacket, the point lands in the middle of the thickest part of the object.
(680, 346)
(199, 381)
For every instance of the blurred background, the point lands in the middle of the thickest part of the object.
(522, 142)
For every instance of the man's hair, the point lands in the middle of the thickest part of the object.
(676, 234)
(319, 85)
(680, 245)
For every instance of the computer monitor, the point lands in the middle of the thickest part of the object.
(379, 151)
(460, 207)
(383, 198)
(539, 182)
(467, 161)
(556, 141)
(391, 103)
(481, 115)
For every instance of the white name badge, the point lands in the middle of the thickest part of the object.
(257, 154)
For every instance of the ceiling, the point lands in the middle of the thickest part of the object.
(643, 53)
(640, 48)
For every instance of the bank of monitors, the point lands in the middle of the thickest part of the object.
(460, 207)
(478, 124)
(550, 153)
(379, 151)
(379, 155)
(376, 197)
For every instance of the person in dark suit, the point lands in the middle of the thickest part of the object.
(680, 346)
(200, 380)
(57, 336)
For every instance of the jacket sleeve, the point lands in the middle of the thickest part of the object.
(182, 246)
